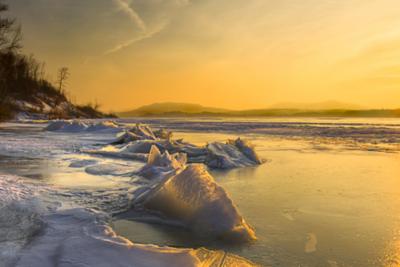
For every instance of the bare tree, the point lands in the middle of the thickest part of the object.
(10, 37)
(10, 32)
(63, 75)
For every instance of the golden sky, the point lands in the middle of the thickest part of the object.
(227, 53)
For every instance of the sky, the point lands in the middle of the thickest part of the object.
(236, 54)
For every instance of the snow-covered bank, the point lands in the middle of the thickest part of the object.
(37, 232)
(74, 126)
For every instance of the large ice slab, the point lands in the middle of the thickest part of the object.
(138, 132)
(189, 194)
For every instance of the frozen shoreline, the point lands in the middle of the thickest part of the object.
(60, 223)
(56, 158)
(38, 233)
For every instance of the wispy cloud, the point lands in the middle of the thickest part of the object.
(145, 31)
(126, 7)
(130, 42)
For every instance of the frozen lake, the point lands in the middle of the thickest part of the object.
(328, 195)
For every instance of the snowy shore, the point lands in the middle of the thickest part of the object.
(43, 225)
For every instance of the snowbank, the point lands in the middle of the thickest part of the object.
(79, 237)
(73, 126)
(66, 126)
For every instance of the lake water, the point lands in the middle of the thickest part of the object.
(328, 195)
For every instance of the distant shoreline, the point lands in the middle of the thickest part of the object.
(280, 113)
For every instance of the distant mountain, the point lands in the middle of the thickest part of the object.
(171, 108)
(325, 105)
(323, 109)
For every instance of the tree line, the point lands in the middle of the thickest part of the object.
(23, 78)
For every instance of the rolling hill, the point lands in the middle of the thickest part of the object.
(323, 109)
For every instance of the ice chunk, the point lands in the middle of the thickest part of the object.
(231, 155)
(141, 146)
(193, 197)
(192, 151)
(162, 165)
(163, 134)
(126, 137)
(247, 149)
(143, 131)
(140, 139)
